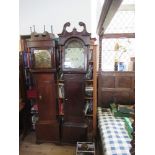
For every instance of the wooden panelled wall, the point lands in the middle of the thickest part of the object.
(118, 87)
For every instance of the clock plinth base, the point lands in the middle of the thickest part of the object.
(73, 132)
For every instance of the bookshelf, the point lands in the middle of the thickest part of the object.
(92, 82)
(28, 84)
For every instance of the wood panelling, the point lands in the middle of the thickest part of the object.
(122, 97)
(123, 82)
(109, 82)
(116, 87)
(105, 99)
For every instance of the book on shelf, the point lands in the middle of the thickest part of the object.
(88, 109)
(89, 91)
(27, 59)
(61, 106)
(89, 74)
(32, 93)
(61, 90)
(90, 55)
(60, 75)
(27, 77)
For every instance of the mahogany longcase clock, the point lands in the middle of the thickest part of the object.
(43, 68)
(74, 48)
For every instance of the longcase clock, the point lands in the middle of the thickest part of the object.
(43, 68)
(74, 64)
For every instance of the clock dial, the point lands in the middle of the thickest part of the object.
(74, 58)
(42, 58)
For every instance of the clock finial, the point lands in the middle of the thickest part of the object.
(44, 28)
(30, 29)
(34, 28)
(51, 29)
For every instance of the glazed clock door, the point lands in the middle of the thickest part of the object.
(74, 97)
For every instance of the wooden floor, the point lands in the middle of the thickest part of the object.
(29, 147)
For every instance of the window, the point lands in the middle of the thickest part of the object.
(118, 48)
